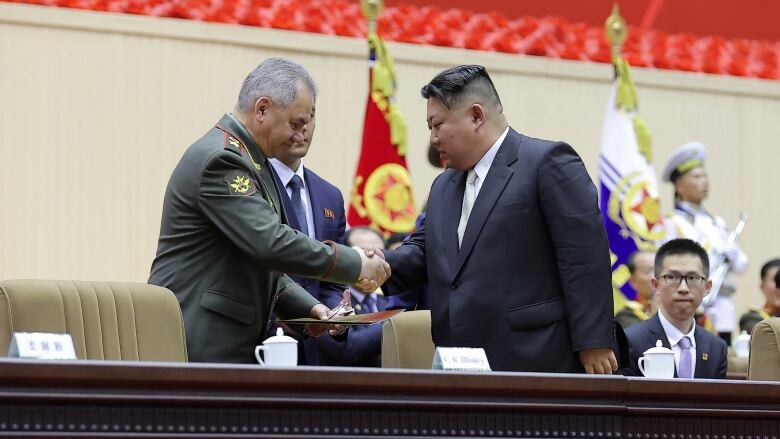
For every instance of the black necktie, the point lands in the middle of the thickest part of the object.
(296, 184)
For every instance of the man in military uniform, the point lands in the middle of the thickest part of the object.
(771, 293)
(685, 170)
(640, 265)
(224, 243)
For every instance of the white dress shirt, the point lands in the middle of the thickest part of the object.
(674, 336)
(285, 175)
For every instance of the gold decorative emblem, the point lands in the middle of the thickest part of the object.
(635, 207)
(233, 141)
(239, 183)
(387, 196)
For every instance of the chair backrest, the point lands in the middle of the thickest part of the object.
(764, 360)
(406, 341)
(107, 321)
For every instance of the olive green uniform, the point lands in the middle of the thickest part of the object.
(632, 313)
(224, 247)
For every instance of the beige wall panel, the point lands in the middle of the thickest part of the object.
(96, 109)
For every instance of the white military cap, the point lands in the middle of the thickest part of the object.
(688, 156)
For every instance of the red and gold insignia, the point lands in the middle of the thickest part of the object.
(387, 196)
(329, 213)
(239, 183)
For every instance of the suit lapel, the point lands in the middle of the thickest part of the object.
(702, 355)
(496, 180)
(452, 196)
(317, 212)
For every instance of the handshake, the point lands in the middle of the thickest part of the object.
(374, 269)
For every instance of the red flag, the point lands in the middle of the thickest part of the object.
(382, 191)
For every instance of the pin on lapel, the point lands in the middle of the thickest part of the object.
(705, 356)
(329, 213)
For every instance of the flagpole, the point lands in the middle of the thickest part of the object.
(371, 10)
(616, 31)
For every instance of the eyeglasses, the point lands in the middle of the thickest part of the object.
(692, 280)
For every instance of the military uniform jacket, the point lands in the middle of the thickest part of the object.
(224, 247)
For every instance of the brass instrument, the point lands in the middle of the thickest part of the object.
(720, 272)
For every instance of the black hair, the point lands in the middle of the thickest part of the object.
(681, 247)
(451, 85)
(772, 263)
(348, 235)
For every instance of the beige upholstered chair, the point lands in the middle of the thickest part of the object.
(764, 361)
(107, 321)
(406, 341)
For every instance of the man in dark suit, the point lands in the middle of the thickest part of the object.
(512, 248)
(316, 208)
(681, 268)
(224, 243)
(363, 344)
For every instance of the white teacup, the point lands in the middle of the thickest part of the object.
(279, 350)
(741, 345)
(657, 362)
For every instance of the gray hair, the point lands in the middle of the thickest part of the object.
(276, 78)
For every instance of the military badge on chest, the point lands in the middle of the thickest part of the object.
(239, 183)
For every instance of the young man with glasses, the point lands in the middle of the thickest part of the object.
(681, 267)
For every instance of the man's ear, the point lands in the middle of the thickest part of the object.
(708, 287)
(654, 283)
(262, 104)
(477, 115)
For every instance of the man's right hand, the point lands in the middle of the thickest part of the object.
(374, 270)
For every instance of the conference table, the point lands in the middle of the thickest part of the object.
(132, 399)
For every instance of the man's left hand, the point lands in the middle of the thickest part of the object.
(320, 311)
(598, 361)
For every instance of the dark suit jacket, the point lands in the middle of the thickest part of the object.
(327, 206)
(362, 347)
(531, 282)
(711, 351)
(224, 246)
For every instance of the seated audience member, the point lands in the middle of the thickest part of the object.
(681, 268)
(640, 265)
(395, 240)
(417, 297)
(771, 294)
(363, 344)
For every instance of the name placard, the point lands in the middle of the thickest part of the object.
(461, 359)
(42, 346)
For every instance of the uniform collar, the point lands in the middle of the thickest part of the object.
(232, 125)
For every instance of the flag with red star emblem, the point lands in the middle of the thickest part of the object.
(628, 190)
(381, 194)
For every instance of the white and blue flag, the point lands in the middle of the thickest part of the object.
(628, 190)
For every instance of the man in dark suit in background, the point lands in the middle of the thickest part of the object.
(681, 268)
(512, 248)
(316, 208)
(363, 344)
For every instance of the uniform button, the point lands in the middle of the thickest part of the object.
(454, 285)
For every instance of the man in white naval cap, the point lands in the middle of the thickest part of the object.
(685, 170)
